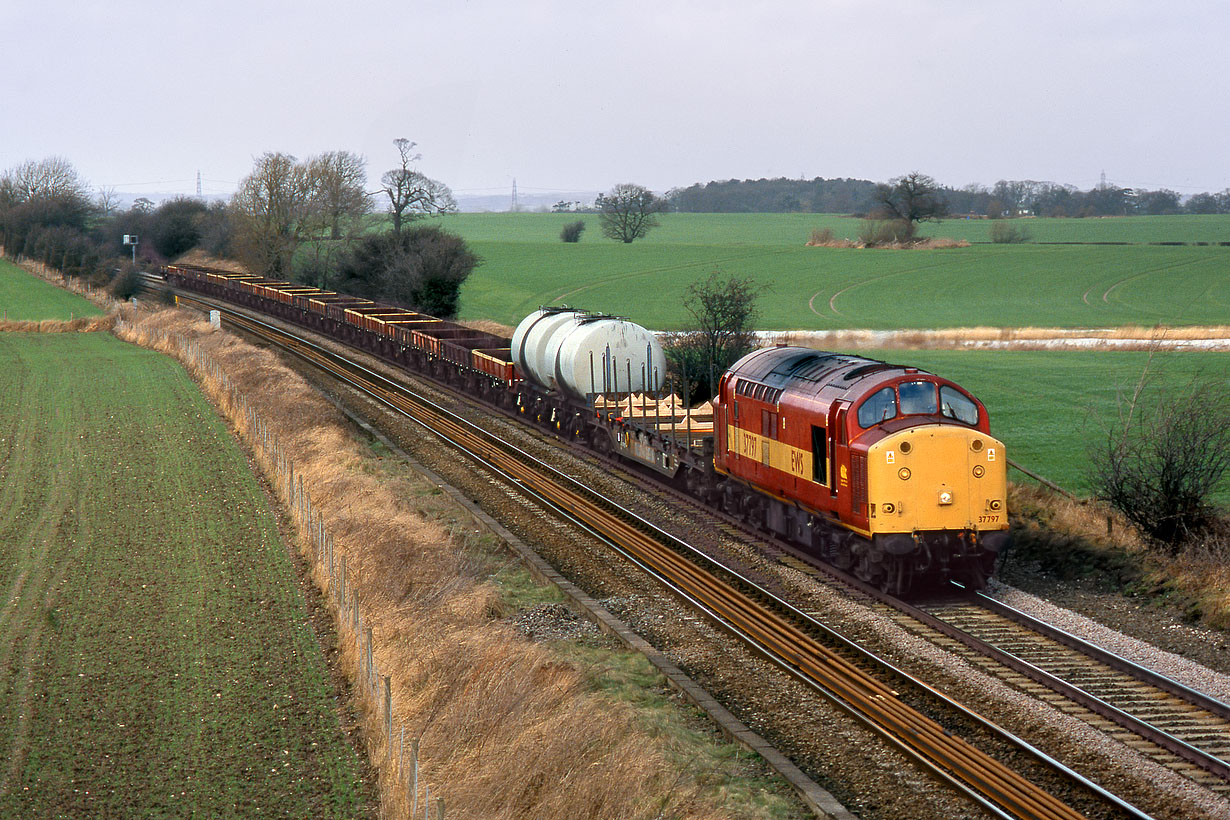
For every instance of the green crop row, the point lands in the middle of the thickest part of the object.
(162, 662)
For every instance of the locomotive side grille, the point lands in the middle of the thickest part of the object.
(858, 480)
(758, 391)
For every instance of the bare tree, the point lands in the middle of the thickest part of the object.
(723, 311)
(270, 208)
(50, 178)
(107, 201)
(410, 193)
(1164, 457)
(911, 199)
(339, 196)
(628, 211)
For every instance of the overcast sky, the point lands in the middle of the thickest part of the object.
(580, 96)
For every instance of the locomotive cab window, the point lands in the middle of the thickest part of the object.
(917, 398)
(879, 406)
(956, 405)
(819, 449)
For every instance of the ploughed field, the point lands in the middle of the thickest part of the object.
(156, 657)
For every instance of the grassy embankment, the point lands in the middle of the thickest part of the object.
(184, 680)
(158, 659)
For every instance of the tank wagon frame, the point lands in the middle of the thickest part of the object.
(885, 471)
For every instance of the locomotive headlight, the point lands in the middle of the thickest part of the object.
(904, 473)
(979, 472)
(945, 497)
(994, 504)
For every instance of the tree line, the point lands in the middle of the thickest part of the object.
(312, 221)
(1004, 199)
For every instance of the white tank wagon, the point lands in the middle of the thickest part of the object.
(585, 355)
(529, 342)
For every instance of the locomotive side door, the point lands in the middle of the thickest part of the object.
(839, 469)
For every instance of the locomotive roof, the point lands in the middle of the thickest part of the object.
(779, 367)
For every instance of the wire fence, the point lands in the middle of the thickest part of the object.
(391, 754)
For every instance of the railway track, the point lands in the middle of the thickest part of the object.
(773, 627)
(1180, 728)
(1183, 729)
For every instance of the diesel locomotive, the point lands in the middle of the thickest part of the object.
(886, 471)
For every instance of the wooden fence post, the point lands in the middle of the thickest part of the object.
(388, 716)
(414, 775)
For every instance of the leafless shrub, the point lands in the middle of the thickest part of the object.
(1005, 232)
(899, 234)
(879, 233)
(571, 232)
(1163, 458)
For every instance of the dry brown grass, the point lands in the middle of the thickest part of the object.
(79, 325)
(1201, 574)
(489, 326)
(1086, 535)
(506, 730)
(824, 238)
(1018, 338)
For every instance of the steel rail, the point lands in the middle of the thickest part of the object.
(877, 704)
(1097, 705)
(1142, 673)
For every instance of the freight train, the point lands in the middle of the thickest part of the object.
(886, 471)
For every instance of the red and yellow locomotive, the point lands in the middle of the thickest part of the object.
(887, 471)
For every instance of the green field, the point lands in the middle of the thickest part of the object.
(156, 655)
(794, 229)
(24, 297)
(526, 265)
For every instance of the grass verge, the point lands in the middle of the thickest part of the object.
(1088, 543)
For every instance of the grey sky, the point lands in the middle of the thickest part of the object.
(579, 96)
